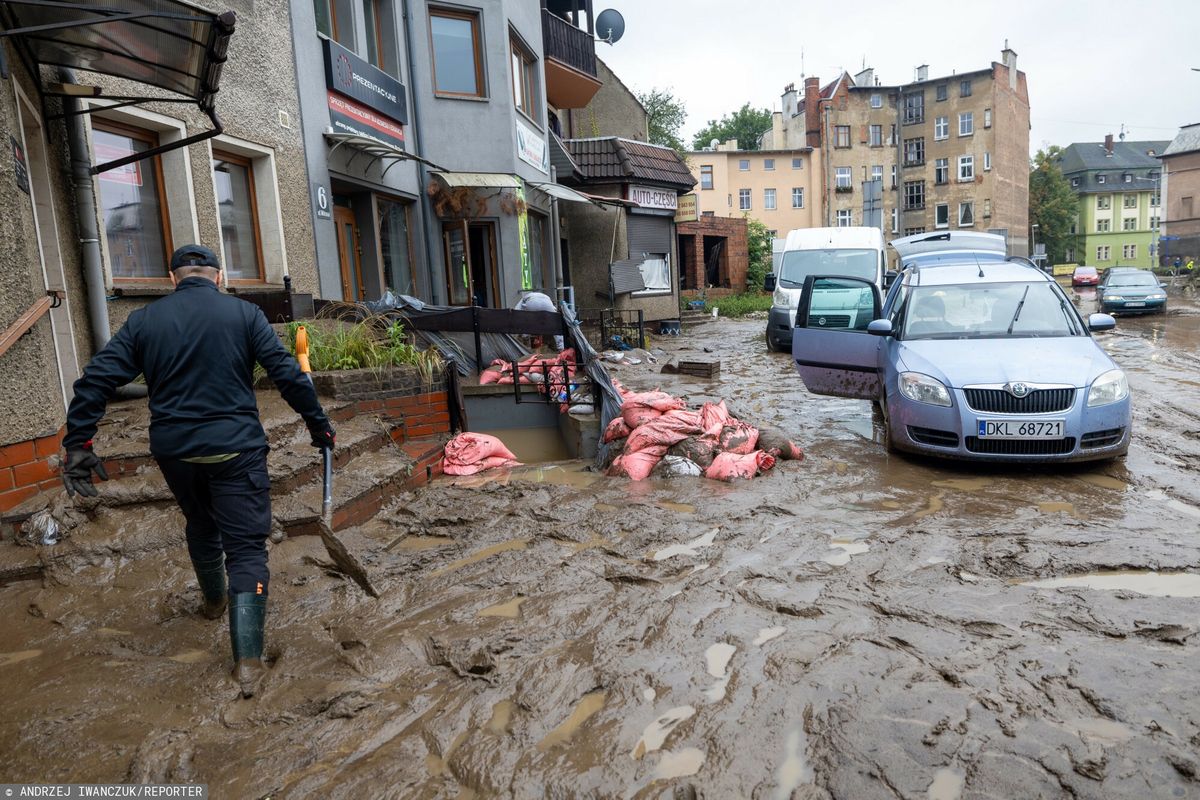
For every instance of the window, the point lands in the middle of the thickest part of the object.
(966, 123)
(876, 100)
(656, 274)
(842, 177)
(797, 163)
(132, 202)
(1074, 182)
(966, 168)
(772, 234)
(1128, 178)
(1102, 253)
(1130, 201)
(914, 231)
(844, 218)
(914, 195)
(964, 88)
(1155, 223)
(987, 208)
(769, 199)
(744, 199)
(335, 19)
(743, 165)
(1103, 201)
(987, 162)
(914, 151)
(941, 215)
(943, 91)
(1185, 207)
(894, 183)
(966, 214)
(395, 249)
(892, 135)
(841, 135)
(895, 220)
(1099, 179)
(987, 118)
(457, 55)
(941, 171)
(877, 174)
(798, 197)
(1103, 226)
(769, 164)
(525, 80)
(1129, 224)
(1129, 251)
(1070, 255)
(941, 128)
(914, 108)
(237, 207)
(706, 176)
(875, 136)
(1155, 198)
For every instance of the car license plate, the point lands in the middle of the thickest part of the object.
(1020, 429)
(1137, 304)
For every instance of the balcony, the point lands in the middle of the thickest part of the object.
(570, 52)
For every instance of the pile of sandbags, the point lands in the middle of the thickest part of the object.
(468, 453)
(551, 374)
(657, 433)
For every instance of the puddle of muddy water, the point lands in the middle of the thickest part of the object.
(767, 634)
(682, 508)
(689, 549)
(947, 785)
(583, 711)
(843, 550)
(508, 610)
(16, 658)
(794, 769)
(416, 543)
(679, 765)
(648, 694)
(501, 717)
(964, 484)
(190, 657)
(1104, 481)
(533, 445)
(1099, 728)
(1152, 584)
(656, 733)
(935, 505)
(717, 658)
(1052, 507)
(487, 552)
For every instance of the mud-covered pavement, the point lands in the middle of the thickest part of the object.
(856, 625)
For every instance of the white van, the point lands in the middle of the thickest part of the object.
(853, 252)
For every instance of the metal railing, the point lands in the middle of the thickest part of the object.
(564, 42)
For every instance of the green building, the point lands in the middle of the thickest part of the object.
(1120, 205)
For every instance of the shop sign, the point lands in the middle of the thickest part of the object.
(651, 197)
(347, 116)
(688, 211)
(363, 82)
(531, 148)
(19, 165)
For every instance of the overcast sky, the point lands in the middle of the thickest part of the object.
(1091, 66)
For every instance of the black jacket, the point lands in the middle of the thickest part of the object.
(196, 348)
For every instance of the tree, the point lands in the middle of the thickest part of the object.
(746, 125)
(666, 115)
(758, 247)
(1053, 207)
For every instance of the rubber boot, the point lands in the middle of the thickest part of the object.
(211, 577)
(247, 616)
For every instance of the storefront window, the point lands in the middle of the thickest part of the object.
(234, 181)
(394, 247)
(458, 277)
(132, 203)
(537, 250)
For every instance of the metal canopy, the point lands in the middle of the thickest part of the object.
(373, 149)
(560, 192)
(169, 45)
(480, 180)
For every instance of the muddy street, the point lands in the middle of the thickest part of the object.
(855, 625)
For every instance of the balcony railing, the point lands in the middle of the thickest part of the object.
(565, 43)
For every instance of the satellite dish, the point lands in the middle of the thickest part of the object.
(610, 25)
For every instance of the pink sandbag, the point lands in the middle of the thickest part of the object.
(713, 417)
(617, 429)
(659, 401)
(773, 441)
(729, 466)
(666, 430)
(738, 437)
(635, 415)
(637, 466)
(468, 453)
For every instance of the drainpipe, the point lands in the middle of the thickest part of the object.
(85, 208)
(555, 235)
(422, 176)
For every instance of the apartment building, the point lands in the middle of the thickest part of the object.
(779, 187)
(936, 154)
(1120, 203)
(1181, 188)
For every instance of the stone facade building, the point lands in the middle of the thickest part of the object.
(944, 153)
(1181, 187)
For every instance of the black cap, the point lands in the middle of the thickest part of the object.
(194, 255)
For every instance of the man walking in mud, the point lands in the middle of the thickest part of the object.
(196, 349)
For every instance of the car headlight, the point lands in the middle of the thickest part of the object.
(924, 389)
(1110, 387)
(1156, 297)
(781, 299)
(1108, 297)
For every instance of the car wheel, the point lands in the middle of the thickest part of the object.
(771, 346)
(885, 426)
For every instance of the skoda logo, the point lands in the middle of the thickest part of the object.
(345, 74)
(821, 321)
(1018, 389)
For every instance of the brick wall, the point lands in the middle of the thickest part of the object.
(371, 384)
(735, 258)
(28, 467)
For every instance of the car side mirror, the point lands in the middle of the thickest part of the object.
(880, 327)
(1101, 322)
(889, 278)
(769, 282)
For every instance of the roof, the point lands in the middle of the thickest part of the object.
(1186, 141)
(613, 159)
(1126, 155)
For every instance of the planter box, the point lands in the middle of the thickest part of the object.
(373, 384)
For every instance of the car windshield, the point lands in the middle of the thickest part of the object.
(987, 311)
(799, 264)
(1133, 279)
(1085, 271)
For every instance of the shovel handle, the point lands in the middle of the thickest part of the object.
(327, 496)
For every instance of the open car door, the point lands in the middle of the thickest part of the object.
(834, 353)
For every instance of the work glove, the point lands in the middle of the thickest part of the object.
(77, 471)
(324, 436)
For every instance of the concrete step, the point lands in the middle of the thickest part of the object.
(360, 489)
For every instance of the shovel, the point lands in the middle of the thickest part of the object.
(346, 563)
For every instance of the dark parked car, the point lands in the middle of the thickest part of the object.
(1085, 276)
(1131, 291)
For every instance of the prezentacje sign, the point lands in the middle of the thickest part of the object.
(650, 197)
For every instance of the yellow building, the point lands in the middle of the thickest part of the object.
(779, 188)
